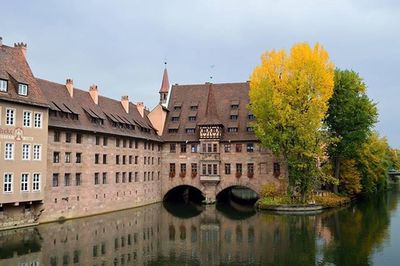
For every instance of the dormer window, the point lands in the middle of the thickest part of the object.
(3, 85)
(177, 108)
(22, 89)
(234, 106)
(175, 119)
(233, 129)
(192, 118)
(193, 108)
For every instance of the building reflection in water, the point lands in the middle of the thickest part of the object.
(186, 234)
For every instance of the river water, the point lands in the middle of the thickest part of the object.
(364, 233)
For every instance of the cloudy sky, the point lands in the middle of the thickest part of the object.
(121, 45)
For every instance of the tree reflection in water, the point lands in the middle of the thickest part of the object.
(162, 234)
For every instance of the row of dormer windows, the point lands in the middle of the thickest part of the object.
(22, 88)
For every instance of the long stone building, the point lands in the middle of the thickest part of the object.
(67, 152)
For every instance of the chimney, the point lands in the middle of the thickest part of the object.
(140, 108)
(1, 41)
(21, 46)
(94, 93)
(125, 103)
(70, 87)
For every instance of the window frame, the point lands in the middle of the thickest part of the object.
(5, 88)
(36, 182)
(13, 118)
(26, 125)
(38, 123)
(24, 184)
(23, 86)
(8, 182)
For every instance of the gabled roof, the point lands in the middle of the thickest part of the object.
(109, 110)
(165, 82)
(214, 103)
(15, 69)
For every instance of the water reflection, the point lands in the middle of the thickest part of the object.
(164, 234)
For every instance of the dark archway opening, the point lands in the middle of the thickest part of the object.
(237, 202)
(184, 201)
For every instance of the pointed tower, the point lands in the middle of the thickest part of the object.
(164, 88)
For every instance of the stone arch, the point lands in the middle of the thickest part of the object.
(181, 186)
(248, 185)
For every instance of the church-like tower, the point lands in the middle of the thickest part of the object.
(164, 88)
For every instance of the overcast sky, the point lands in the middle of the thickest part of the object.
(121, 45)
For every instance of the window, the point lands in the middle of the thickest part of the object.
(249, 129)
(56, 157)
(97, 140)
(105, 141)
(96, 178)
(124, 159)
(194, 168)
(78, 157)
(130, 144)
(38, 120)
(24, 182)
(175, 118)
(250, 169)
(36, 182)
(227, 147)
(277, 169)
(190, 130)
(172, 168)
(238, 147)
(234, 117)
(104, 178)
(123, 177)
(227, 168)
(67, 179)
(239, 168)
(26, 151)
(136, 159)
(57, 136)
(233, 129)
(117, 177)
(10, 117)
(117, 142)
(22, 89)
(124, 143)
(67, 157)
(215, 147)
(78, 138)
(3, 85)
(234, 106)
(117, 159)
(77, 179)
(96, 158)
(250, 147)
(136, 144)
(104, 158)
(8, 182)
(37, 152)
(136, 176)
(183, 168)
(68, 137)
(55, 180)
(9, 151)
(130, 159)
(172, 130)
(130, 177)
(172, 148)
(192, 118)
(193, 148)
(209, 169)
(183, 148)
(27, 119)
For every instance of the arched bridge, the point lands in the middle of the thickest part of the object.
(211, 186)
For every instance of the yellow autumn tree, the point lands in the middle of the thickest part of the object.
(350, 177)
(289, 96)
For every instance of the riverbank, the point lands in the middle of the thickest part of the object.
(317, 203)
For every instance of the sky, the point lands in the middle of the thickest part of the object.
(121, 46)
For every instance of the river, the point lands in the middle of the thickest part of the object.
(364, 233)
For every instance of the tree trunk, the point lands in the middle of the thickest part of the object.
(337, 173)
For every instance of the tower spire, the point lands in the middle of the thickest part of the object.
(164, 86)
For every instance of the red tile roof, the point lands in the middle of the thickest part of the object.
(214, 107)
(15, 69)
(108, 109)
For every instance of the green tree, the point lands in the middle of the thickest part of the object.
(289, 96)
(374, 161)
(350, 118)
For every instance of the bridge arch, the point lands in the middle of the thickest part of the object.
(183, 192)
(248, 185)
